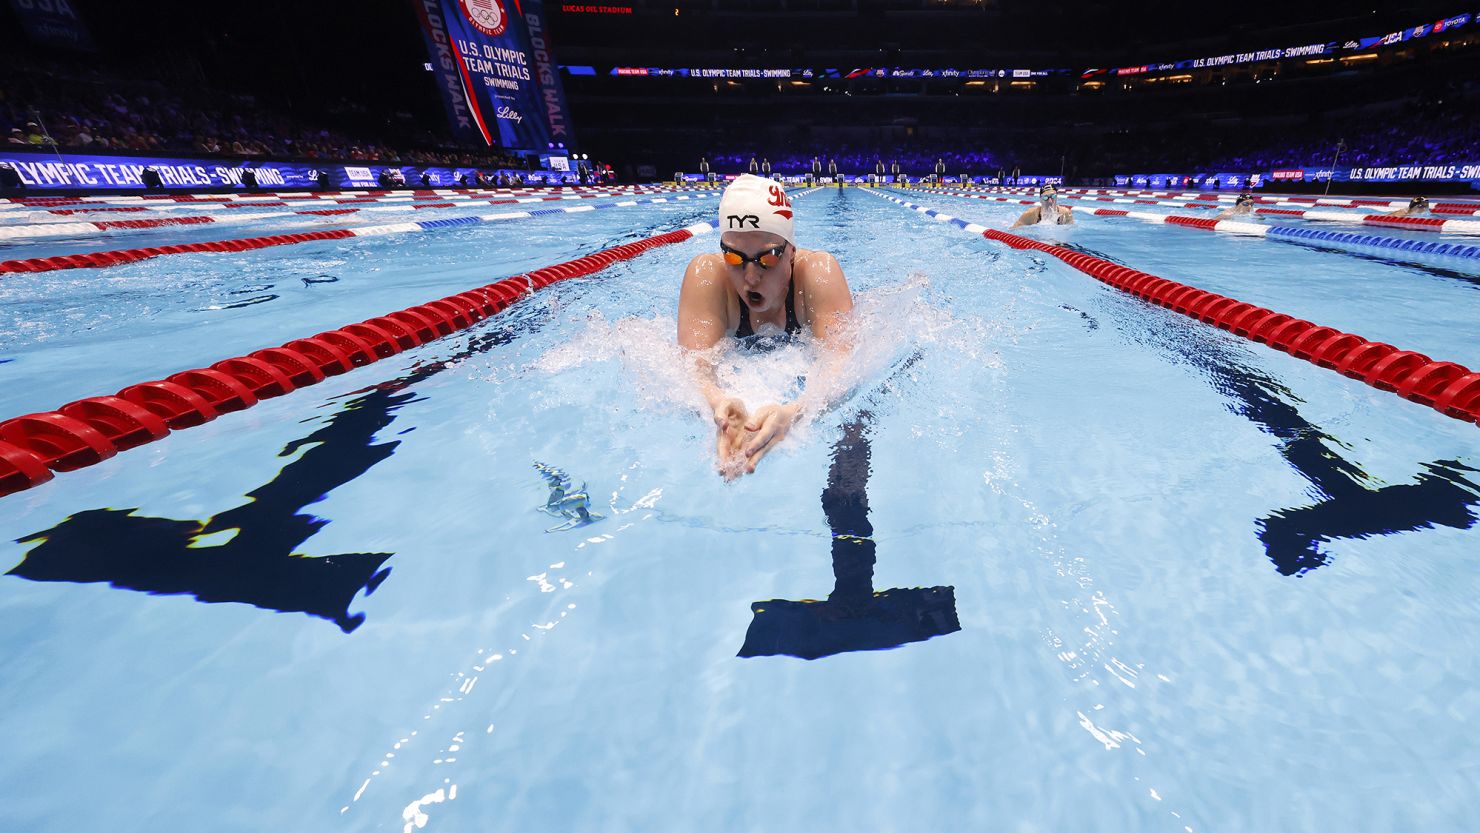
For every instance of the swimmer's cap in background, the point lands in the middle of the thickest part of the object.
(752, 203)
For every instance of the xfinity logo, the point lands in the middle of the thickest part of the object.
(739, 220)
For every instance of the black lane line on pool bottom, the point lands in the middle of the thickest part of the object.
(261, 565)
(1444, 493)
(1442, 496)
(853, 617)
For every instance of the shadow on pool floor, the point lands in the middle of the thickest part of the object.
(256, 561)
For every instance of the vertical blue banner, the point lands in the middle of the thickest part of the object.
(447, 64)
(498, 83)
(547, 75)
(53, 23)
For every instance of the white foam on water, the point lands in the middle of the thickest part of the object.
(656, 369)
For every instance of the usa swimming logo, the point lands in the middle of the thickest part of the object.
(487, 16)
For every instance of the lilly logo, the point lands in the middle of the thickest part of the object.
(508, 113)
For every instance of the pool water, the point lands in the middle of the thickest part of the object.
(1058, 560)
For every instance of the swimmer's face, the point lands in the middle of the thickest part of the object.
(760, 288)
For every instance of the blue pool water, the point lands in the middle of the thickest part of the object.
(1061, 560)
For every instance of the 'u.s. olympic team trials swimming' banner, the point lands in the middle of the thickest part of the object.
(48, 171)
(496, 72)
(1415, 172)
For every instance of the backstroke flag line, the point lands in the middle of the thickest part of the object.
(495, 71)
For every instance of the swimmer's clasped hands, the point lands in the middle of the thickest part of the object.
(742, 438)
(768, 426)
(730, 417)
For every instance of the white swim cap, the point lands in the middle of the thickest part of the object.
(752, 203)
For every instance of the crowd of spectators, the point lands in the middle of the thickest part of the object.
(68, 110)
(1407, 137)
(1435, 122)
(1402, 137)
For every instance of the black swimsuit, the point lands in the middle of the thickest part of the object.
(747, 333)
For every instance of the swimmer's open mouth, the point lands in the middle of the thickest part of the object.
(755, 298)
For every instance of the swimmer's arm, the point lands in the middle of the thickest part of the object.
(1024, 221)
(829, 301)
(702, 322)
(1066, 218)
(830, 307)
(825, 380)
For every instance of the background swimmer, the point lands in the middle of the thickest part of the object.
(1048, 209)
(1417, 205)
(1243, 205)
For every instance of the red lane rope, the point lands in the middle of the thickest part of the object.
(117, 256)
(91, 430)
(114, 257)
(1449, 388)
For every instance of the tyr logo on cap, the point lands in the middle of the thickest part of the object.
(739, 220)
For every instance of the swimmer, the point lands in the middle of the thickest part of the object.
(1048, 207)
(760, 282)
(1243, 205)
(1417, 205)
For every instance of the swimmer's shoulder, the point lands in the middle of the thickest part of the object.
(816, 266)
(702, 263)
(707, 311)
(703, 278)
(821, 288)
(813, 257)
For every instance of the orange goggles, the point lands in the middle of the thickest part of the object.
(765, 260)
